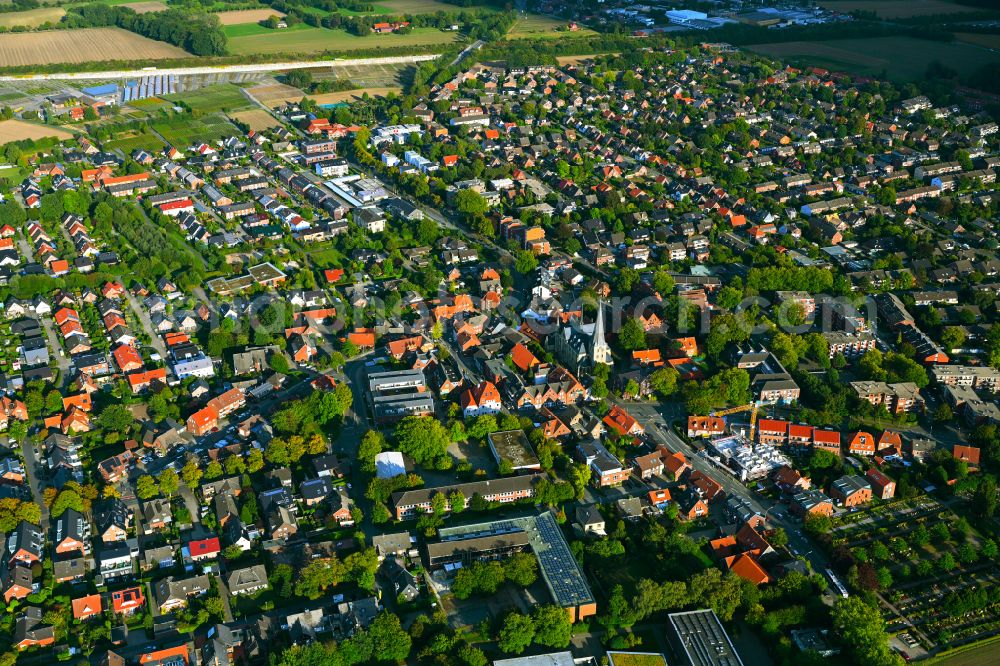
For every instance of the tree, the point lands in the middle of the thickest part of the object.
(517, 633)
(632, 335)
(521, 569)
(319, 575)
(470, 203)
(53, 402)
(552, 626)
(943, 414)
(169, 482)
(389, 642)
(423, 438)
(862, 631)
(372, 444)
(191, 474)
(146, 488)
(984, 500)
(213, 470)
(526, 262)
(255, 461)
(664, 381)
(116, 418)
(232, 552)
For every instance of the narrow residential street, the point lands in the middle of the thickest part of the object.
(147, 324)
(32, 466)
(56, 349)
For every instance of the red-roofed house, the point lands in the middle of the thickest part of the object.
(675, 465)
(967, 454)
(204, 549)
(863, 444)
(128, 601)
(746, 567)
(882, 486)
(706, 426)
(333, 275)
(622, 422)
(127, 358)
(86, 607)
(770, 431)
(828, 440)
(523, 358)
(484, 398)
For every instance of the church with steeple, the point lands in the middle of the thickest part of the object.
(580, 346)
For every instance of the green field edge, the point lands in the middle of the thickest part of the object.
(219, 61)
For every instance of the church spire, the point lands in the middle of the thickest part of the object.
(599, 326)
(600, 352)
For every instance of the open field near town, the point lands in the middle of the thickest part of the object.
(19, 130)
(182, 131)
(144, 7)
(577, 59)
(246, 16)
(988, 653)
(275, 94)
(249, 39)
(533, 26)
(980, 39)
(256, 119)
(894, 9)
(368, 76)
(127, 144)
(219, 97)
(351, 95)
(86, 45)
(32, 17)
(417, 7)
(901, 58)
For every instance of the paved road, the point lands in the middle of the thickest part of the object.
(57, 350)
(31, 467)
(147, 325)
(219, 69)
(657, 419)
(474, 46)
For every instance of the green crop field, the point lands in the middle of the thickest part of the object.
(149, 142)
(900, 58)
(219, 97)
(534, 26)
(182, 131)
(252, 39)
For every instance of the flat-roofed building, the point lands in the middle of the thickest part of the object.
(698, 639)
(513, 446)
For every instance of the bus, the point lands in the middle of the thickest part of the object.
(837, 585)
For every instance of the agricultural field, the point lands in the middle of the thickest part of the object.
(240, 16)
(898, 9)
(127, 144)
(368, 76)
(145, 7)
(256, 119)
(85, 45)
(900, 58)
(32, 17)
(19, 130)
(210, 99)
(183, 130)
(275, 94)
(247, 39)
(353, 95)
(535, 26)
(980, 39)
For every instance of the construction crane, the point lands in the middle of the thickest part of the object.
(753, 407)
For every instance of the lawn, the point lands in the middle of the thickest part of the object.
(899, 58)
(218, 97)
(534, 26)
(252, 39)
